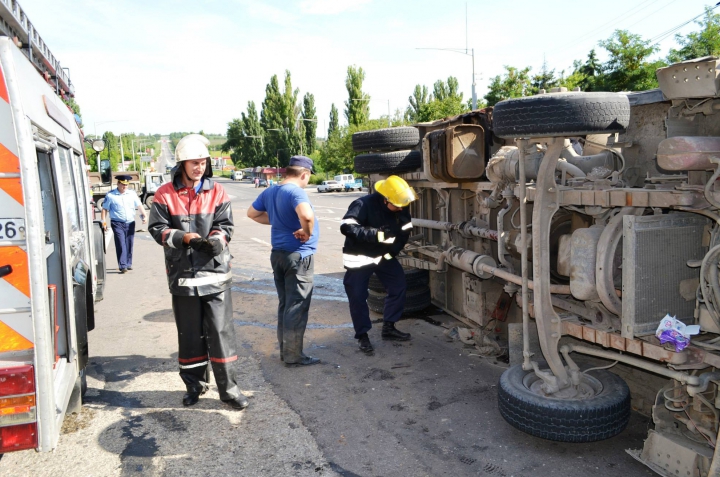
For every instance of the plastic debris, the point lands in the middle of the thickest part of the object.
(671, 330)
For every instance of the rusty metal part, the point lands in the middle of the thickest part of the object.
(587, 164)
(680, 376)
(522, 144)
(687, 153)
(546, 204)
(583, 257)
(466, 229)
(604, 265)
(502, 249)
(627, 197)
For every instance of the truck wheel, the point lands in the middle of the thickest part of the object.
(388, 139)
(415, 300)
(414, 278)
(602, 412)
(561, 114)
(149, 201)
(388, 161)
(99, 202)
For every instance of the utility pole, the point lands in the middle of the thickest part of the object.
(122, 155)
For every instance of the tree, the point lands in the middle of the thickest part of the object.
(334, 120)
(418, 100)
(357, 107)
(705, 42)
(628, 68)
(514, 83)
(308, 113)
(545, 79)
(278, 117)
(337, 154)
(245, 139)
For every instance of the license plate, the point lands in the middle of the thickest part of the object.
(12, 229)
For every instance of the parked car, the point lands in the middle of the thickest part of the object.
(353, 185)
(330, 186)
(237, 175)
(263, 183)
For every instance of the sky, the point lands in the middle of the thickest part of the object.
(160, 66)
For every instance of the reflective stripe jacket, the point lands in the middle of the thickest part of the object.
(365, 217)
(178, 210)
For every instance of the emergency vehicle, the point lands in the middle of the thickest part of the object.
(51, 250)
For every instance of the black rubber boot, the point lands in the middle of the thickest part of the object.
(192, 396)
(239, 403)
(389, 332)
(364, 343)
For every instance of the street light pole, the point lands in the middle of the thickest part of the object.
(462, 51)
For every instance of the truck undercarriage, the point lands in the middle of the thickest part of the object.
(566, 226)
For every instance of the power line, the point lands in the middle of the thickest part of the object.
(660, 37)
(653, 13)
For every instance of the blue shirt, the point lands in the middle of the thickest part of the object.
(121, 206)
(280, 202)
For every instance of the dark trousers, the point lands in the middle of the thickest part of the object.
(124, 233)
(392, 276)
(206, 334)
(294, 284)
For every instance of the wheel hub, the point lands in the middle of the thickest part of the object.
(587, 388)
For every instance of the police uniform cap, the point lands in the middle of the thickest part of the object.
(123, 179)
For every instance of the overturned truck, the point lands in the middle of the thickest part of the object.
(569, 225)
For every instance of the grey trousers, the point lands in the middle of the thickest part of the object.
(294, 284)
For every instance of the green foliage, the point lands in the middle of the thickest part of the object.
(278, 117)
(705, 42)
(628, 68)
(245, 139)
(316, 179)
(444, 101)
(515, 83)
(334, 120)
(308, 113)
(545, 79)
(357, 107)
(74, 107)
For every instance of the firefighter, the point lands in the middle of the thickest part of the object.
(376, 228)
(192, 219)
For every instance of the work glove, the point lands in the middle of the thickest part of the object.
(209, 247)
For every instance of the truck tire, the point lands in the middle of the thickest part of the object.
(388, 139)
(99, 203)
(149, 201)
(595, 418)
(395, 161)
(415, 300)
(414, 278)
(561, 114)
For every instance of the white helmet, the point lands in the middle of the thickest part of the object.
(192, 147)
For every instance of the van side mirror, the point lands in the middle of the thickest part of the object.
(105, 172)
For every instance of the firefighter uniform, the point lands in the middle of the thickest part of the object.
(374, 235)
(199, 278)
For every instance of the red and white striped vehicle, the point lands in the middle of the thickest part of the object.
(51, 250)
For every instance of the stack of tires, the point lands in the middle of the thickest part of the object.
(417, 296)
(387, 150)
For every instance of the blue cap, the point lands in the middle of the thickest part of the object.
(301, 161)
(123, 179)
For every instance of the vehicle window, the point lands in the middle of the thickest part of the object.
(79, 170)
(157, 180)
(68, 189)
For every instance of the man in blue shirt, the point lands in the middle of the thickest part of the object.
(294, 236)
(121, 204)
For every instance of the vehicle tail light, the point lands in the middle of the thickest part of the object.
(16, 380)
(15, 438)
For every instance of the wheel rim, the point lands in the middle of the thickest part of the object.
(589, 387)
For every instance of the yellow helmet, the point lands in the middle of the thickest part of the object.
(396, 191)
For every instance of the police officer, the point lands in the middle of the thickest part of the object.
(192, 219)
(121, 204)
(376, 228)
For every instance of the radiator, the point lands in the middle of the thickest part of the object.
(656, 279)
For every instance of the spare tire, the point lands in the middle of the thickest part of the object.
(600, 415)
(561, 114)
(414, 278)
(388, 161)
(415, 300)
(388, 139)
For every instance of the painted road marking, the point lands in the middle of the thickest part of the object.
(261, 241)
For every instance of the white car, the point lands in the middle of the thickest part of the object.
(330, 186)
(237, 175)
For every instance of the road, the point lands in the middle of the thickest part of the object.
(422, 408)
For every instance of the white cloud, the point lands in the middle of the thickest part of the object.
(331, 7)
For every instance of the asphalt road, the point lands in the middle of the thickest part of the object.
(422, 408)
